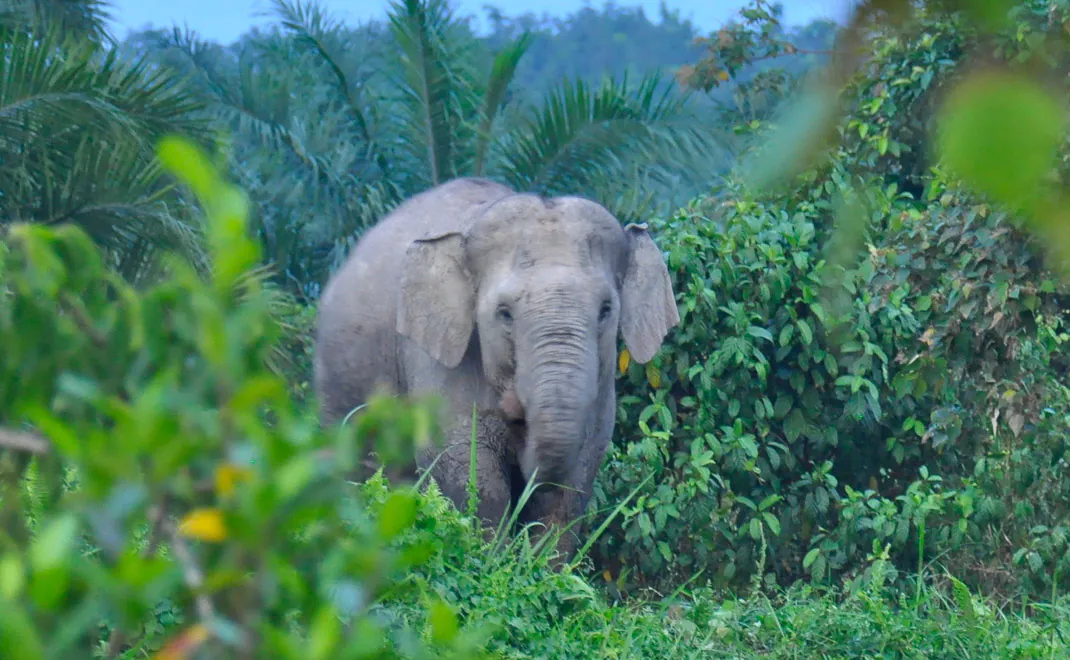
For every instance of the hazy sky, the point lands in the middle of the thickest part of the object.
(225, 20)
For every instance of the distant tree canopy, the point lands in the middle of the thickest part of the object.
(329, 125)
(591, 42)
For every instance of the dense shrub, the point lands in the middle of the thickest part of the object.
(867, 364)
(159, 489)
(793, 416)
(162, 495)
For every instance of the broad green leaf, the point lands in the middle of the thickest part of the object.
(12, 577)
(443, 621)
(999, 132)
(19, 639)
(786, 334)
(769, 501)
(295, 475)
(52, 547)
(188, 163)
(772, 522)
(324, 634)
(760, 333)
(397, 514)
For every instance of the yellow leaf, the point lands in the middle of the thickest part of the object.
(607, 576)
(653, 375)
(227, 477)
(722, 75)
(624, 360)
(185, 644)
(204, 525)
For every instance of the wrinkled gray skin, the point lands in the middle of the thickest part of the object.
(508, 301)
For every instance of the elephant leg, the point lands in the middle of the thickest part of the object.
(493, 474)
(558, 509)
(563, 506)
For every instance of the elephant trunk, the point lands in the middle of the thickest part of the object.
(557, 382)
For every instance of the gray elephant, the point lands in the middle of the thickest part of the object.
(511, 303)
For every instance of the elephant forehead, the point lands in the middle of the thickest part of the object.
(564, 245)
(537, 231)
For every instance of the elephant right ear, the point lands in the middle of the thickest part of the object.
(437, 306)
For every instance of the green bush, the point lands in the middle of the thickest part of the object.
(162, 495)
(159, 486)
(868, 365)
(798, 418)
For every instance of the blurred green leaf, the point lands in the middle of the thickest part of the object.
(443, 622)
(53, 545)
(12, 576)
(801, 135)
(397, 514)
(999, 132)
(18, 638)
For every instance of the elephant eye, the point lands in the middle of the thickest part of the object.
(504, 315)
(605, 311)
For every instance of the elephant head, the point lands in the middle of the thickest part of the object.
(546, 284)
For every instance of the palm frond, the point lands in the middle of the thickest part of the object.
(115, 192)
(296, 150)
(580, 131)
(78, 20)
(501, 77)
(198, 60)
(434, 87)
(259, 105)
(314, 29)
(35, 84)
(77, 132)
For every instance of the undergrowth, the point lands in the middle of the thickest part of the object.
(528, 611)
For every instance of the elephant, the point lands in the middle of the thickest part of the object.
(509, 303)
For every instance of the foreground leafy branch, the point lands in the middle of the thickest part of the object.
(171, 470)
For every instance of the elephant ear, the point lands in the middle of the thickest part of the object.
(648, 304)
(437, 303)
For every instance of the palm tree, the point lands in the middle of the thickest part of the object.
(77, 19)
(78, 125)
(333, 126)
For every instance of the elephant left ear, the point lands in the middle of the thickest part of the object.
(648, 304)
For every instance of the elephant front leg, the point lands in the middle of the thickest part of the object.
(450, 467)
(557, 510)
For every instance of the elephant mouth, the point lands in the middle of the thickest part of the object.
(513, 410)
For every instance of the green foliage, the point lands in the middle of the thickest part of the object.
(535, 613)
(84, 20)
(791, 424)
(180, 496)
(1001, 134)
(101, 177)
(866, 387)
(868, 364)
(372, 116)
(168, 498)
